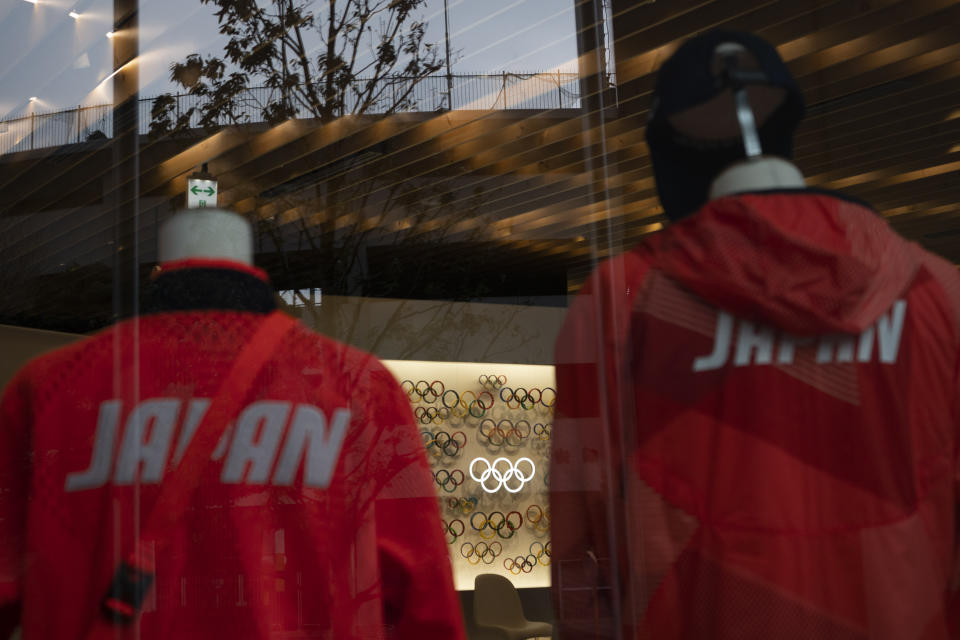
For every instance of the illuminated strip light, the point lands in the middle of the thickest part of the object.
(919, 210)
(886, 177)
(74, 15)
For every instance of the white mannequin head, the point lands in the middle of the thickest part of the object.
(206, 233)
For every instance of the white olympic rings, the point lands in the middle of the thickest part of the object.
(502, 477)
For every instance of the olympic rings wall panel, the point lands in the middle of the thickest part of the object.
(486, 429)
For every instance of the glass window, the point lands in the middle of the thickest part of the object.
(419, 318)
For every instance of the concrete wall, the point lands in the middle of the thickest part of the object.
(392, 329)
(18, 345)
(438, 330)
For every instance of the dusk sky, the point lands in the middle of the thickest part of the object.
(62, 62)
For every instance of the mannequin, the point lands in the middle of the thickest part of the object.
(212, 234)
(206, 262)
(721, 337)
(703, 149)
(758, 172)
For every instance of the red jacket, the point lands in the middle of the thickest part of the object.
(757, 431)
(316, 517)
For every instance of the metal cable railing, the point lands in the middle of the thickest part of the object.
(471, 91)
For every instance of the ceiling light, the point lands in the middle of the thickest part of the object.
(33, 98)
(32, 1)
(74, 15)
(110, 34)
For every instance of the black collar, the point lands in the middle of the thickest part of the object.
(204, 289)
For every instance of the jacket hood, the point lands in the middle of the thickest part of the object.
(806, 261)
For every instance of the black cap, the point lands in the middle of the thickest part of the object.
(684, 169)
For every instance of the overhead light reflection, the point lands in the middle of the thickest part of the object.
(74, 15)
(110, 34)
(98, 92)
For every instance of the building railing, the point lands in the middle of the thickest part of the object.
(540, 91)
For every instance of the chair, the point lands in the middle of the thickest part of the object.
(497, 608)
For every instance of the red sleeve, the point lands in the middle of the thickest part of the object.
(419, 598)
(14, 481)
(585, 492)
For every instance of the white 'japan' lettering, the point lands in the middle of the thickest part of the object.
(101, 462)
(253, 443)
(754, 345)
(721, 345)
(889, 330)
(310, 425)
(152, 451)
(263, 419)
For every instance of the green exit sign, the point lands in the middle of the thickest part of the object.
(201, 193)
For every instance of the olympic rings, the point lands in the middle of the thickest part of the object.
(429, 391)
(426, 415)
(518, 398)
(463, 505)
(486, 404)
(496, 523)
(517, 433)
(540, 550)
(423, 391)
(502, 478)
(474, 553)
(521, 398)
(475, 405)
(538, 517)
(492, 382)
(456, 399)
(553, 397)
(451, 531)
(492, 523)
(504, 432)
(543, 431)
(511, 525)
(442, 443)
(490, 432)
(476, 409)
(448, 481)
(520, 564)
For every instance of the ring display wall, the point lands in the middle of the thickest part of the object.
(486, 429)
